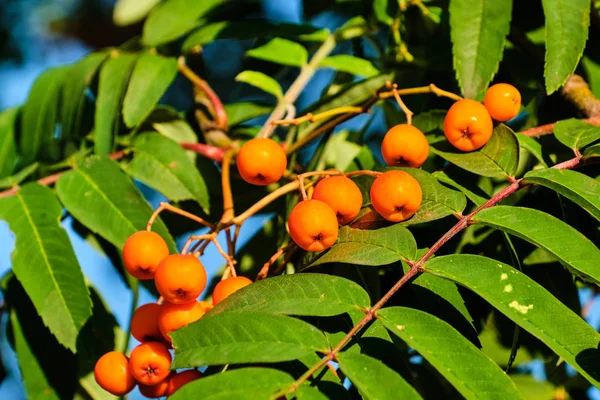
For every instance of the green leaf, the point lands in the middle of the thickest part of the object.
(375, 380)
(261, 81)
(176, 130)
(40, 113)
(105, 200)
(244, 111)
(245, 337)
(297, 294)
(478, 45)
(19, 177)
(569, 246)
(567, 23)
(577, 187)
(114, 77)
(350, 64)
(497, 159)
(37, 349)
(74, 98)
(128, 12)
(162, 164)
(592, 151)
(173, 18)
(534, 389)
(306, 392)
(532, 146)
(370, 247)
(575, 133)
(243, 384)
(380, 9)
(457, 359)
(528, 304)
(151, 77)
(477, 198)
(281, 51)
(250, 30)
(8, 141)
(45, 263)
(446, 303)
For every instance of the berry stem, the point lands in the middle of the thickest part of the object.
(228, 211)
(194, 238)
(320, 116)
(217, 107)
(291, 95)
(264, 271)
(415, 270)
(409, 114)
(431, 88)
(166, 206)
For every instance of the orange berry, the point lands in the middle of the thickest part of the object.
(468, 125)
(181, 378)
(149, 363)
(227, 287)
(405, 146)
(158, 390)
(313, 225)
(396, 195)
(142, 253)
(261, 161)
(180, 278)
(503, 101)
(113, 375)
(342, 195)
(144, 323)
(175, 316)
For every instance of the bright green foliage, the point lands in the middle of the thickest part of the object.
(478, 30)
(298, 294)
(567, 23)
(46, 264)
(245, 337)
(454, 302)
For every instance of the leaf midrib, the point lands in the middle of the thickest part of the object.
(103, 195)
(38, 241)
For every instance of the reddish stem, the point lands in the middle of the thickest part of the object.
(549, 128)
(210, 152)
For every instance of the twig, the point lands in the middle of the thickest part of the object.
(194, 238)
(415, 269)
(264, 271)
(291, 95)
(211, 152)
(403, 106)
(218, 109)
(317, 117)
(431, 88)
(166, 206)
(228, 211)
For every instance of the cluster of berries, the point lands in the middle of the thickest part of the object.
(180, 279)
(395, 195)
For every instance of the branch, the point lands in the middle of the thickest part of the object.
(217, 107)
(292, 94)
(210, 152)
(415, 270)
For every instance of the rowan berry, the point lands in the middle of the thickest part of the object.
(149, 363)
(113, 375)
(261, 161)
(180, 278)
(227, 287)
(396, 195)
(342, 195)
(468, 125)
(503, 101)
(158, 390)
(405, 146)
(175, 316)
(142, 253)
(181, 378)
(144, 323)
(313, 225)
